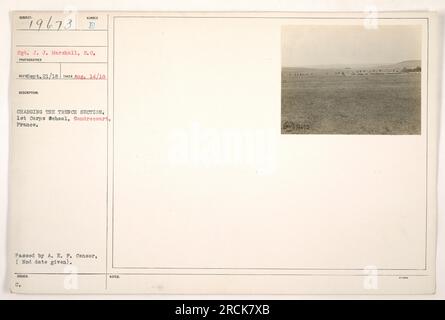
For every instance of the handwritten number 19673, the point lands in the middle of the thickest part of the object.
(50, 24)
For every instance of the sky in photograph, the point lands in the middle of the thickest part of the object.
(304, 46)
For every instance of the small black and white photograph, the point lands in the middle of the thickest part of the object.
(349, 79)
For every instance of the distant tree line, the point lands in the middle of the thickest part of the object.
(416, 69)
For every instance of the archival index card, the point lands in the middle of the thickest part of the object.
(258, 153)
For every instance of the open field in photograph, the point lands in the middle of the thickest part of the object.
(355, 100)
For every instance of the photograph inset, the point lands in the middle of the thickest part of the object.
(351, 80)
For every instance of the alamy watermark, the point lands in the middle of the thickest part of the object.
(199, 146)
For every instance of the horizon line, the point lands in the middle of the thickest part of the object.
(332, 65)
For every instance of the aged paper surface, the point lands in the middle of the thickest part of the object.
(256, 153)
